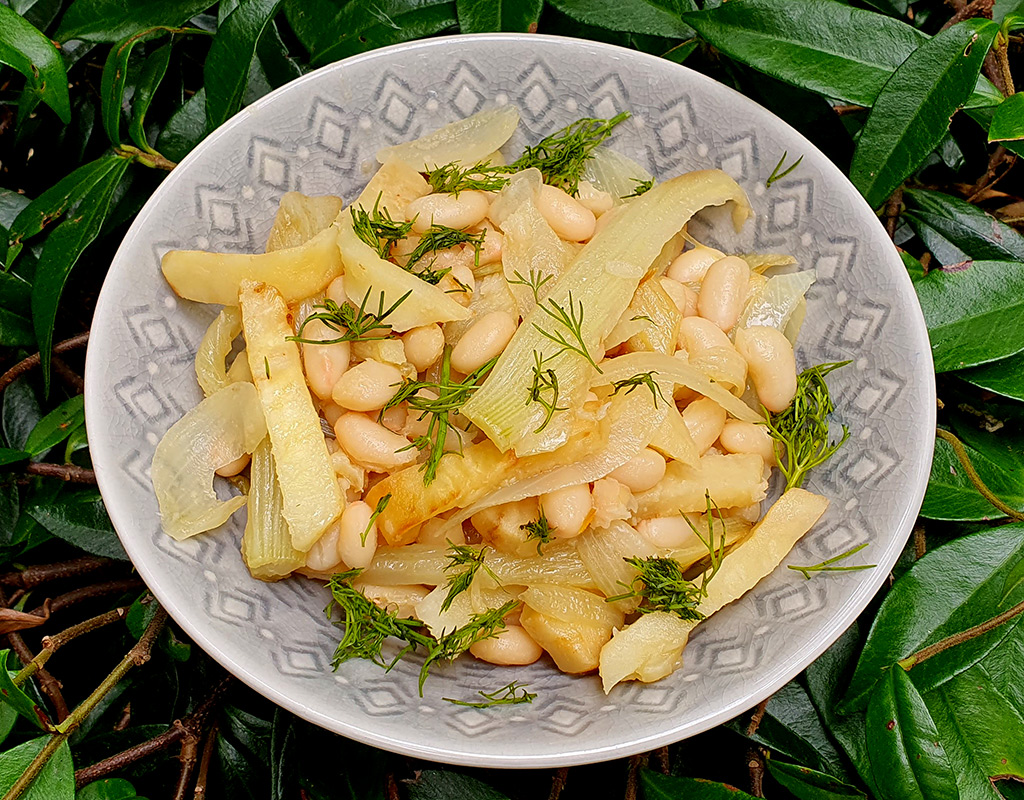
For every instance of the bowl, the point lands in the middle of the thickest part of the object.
(319, 135)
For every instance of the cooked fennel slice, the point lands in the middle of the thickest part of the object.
(222, 428)
(647, 650)
(732, 480)
(614, 173)
(215, 277)
(760, 262)
(311, 497)
(601, 281)
(467, 141)
(604, 552)
(673, 439)
(301, 217)
(267, 543)
(394, 186)
(777, 301)
(211, 357)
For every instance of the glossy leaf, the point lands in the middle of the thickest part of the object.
(951, 495)
(432, 784)
(668, 787)
(21, 412)
(185, 129)
(17, 699)
(912, 112)
(56, 426)
(226, 71)
(914, 267)
(82, 520)
(61, 252)
(56, 781)
(826, 47)
(116, 20)
(108, 789)
(1004, 377)
(78, 440)
(115, 77)
(283, 755)
(1008, 120)
(153, 70)
(973, 312)
(481, 16)
(274, 58)
(15, 291)
(10, 509)
(948, 590)
(641, 16)
(15, 330)
(971, 230)
(30, 52)
(907, 758)
(805, 783)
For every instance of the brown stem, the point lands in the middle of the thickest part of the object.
(558, 780)
(188, 758)
(68, 599)
(49, 685)
(636, 763)
(391, 791)
(847, 109)
(976, 8)
(71, 378)
(920, 542)
(989, 179)
(137, 656)
(661, 755)
(65, 472)
(959, 638)
(755, 766)
(757, 716)
(37, 574)
(1001, 48)
(51, 644)
(965, 461)
(892, 211)
(25, 365)
(204, 763)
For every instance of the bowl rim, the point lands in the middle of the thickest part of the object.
(108, 474)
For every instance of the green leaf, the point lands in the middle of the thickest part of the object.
(820, 45)
(15, 330)
(435, 784)
(1013, 581)
(974, 233)
(108, 789)
(56, 781)
(17, 699)
(9, 456)
(61, 252)
(78, 440)
(116, 20)
(973, 312)
(31, 53)
(641, 16)
(283, 755)
(21, 413)
(1008, 120)
(115, 77)
(185, 129)
(81, 520)
(951, 496)
(914, 267)
(56, 426)
(805, 783)
(912, 112)
(10, 509)
(481, 16)
(907, 758)
(948, 590)
(1005, 377)
(153, 70)
(667, 787)
(274, 59)
(15, 291)
(226, 71)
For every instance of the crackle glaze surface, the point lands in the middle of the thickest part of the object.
(319, 135)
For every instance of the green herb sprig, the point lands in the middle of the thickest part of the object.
(641, 188)
(572, 321)
(641, 379)
(511, 695)
(544, 390)
(827, 564)
(463, 555)
(539, 529)
(778, 173)
(378, 229)
(453, 178)
(562, 156)
(435, 239)
(377, 511)
(801, 432)
(352, 324)
(450, 646)
(534, 283)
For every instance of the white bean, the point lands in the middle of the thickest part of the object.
(234, 467)
(568, 218)
(372, 445)
(357, 538)
(513, 646)
(568, 510)
(367, 386)
(437, 531)
(490, 250)
(691, 265)
(464, 211)
(670, 532)
(642, 471)
(683, 296)
(746, 437)
(423, 345)
(704, 420)
(323, 555)
(464, 275)
(324, 363)
(771, 364)
(484, 340)
(330, 411)
(336, 290)
(724, 291)
(394, 418)
(697, 334)
(597, 200)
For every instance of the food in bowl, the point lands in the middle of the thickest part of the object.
(500, 408)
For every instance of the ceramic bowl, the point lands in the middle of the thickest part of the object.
(319, 135)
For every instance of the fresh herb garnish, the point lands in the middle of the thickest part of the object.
(776, 175)
(641, 187)
(544, 390)
(572, 321)
(377, 511)
(378, 230)
(266, 366)
(826, 565)
(462, 555)
(437, 238)
(353, 324)
(450, 397)
(535, 282)
(641, 379)
(450, 646)
(562, 156)
(511, 695)
(801, 432)
(452, 178)
(539, 529)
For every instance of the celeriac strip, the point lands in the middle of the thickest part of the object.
(267, 543)
(211, 357)
(732, 480)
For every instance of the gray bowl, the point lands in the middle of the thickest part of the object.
(319, 135)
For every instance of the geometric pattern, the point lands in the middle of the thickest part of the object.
(320, 136)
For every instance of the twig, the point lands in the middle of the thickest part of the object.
(976, 8)
(965, 461)
(48, 684)
(391, 791)
(847, 109)
(204, 764)
(188, 756)
(71, 378)
(892, 211)
(67, 600)
(25, 365)
(663, 759)
(51, 644)
(920, 542)
(988, 179)
(757, 716)
(959, 638)
(1001, 49)
(137, 656)
(558, 780)
(66, 472)
(636, 763)
(37, 574)
(755, 765)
